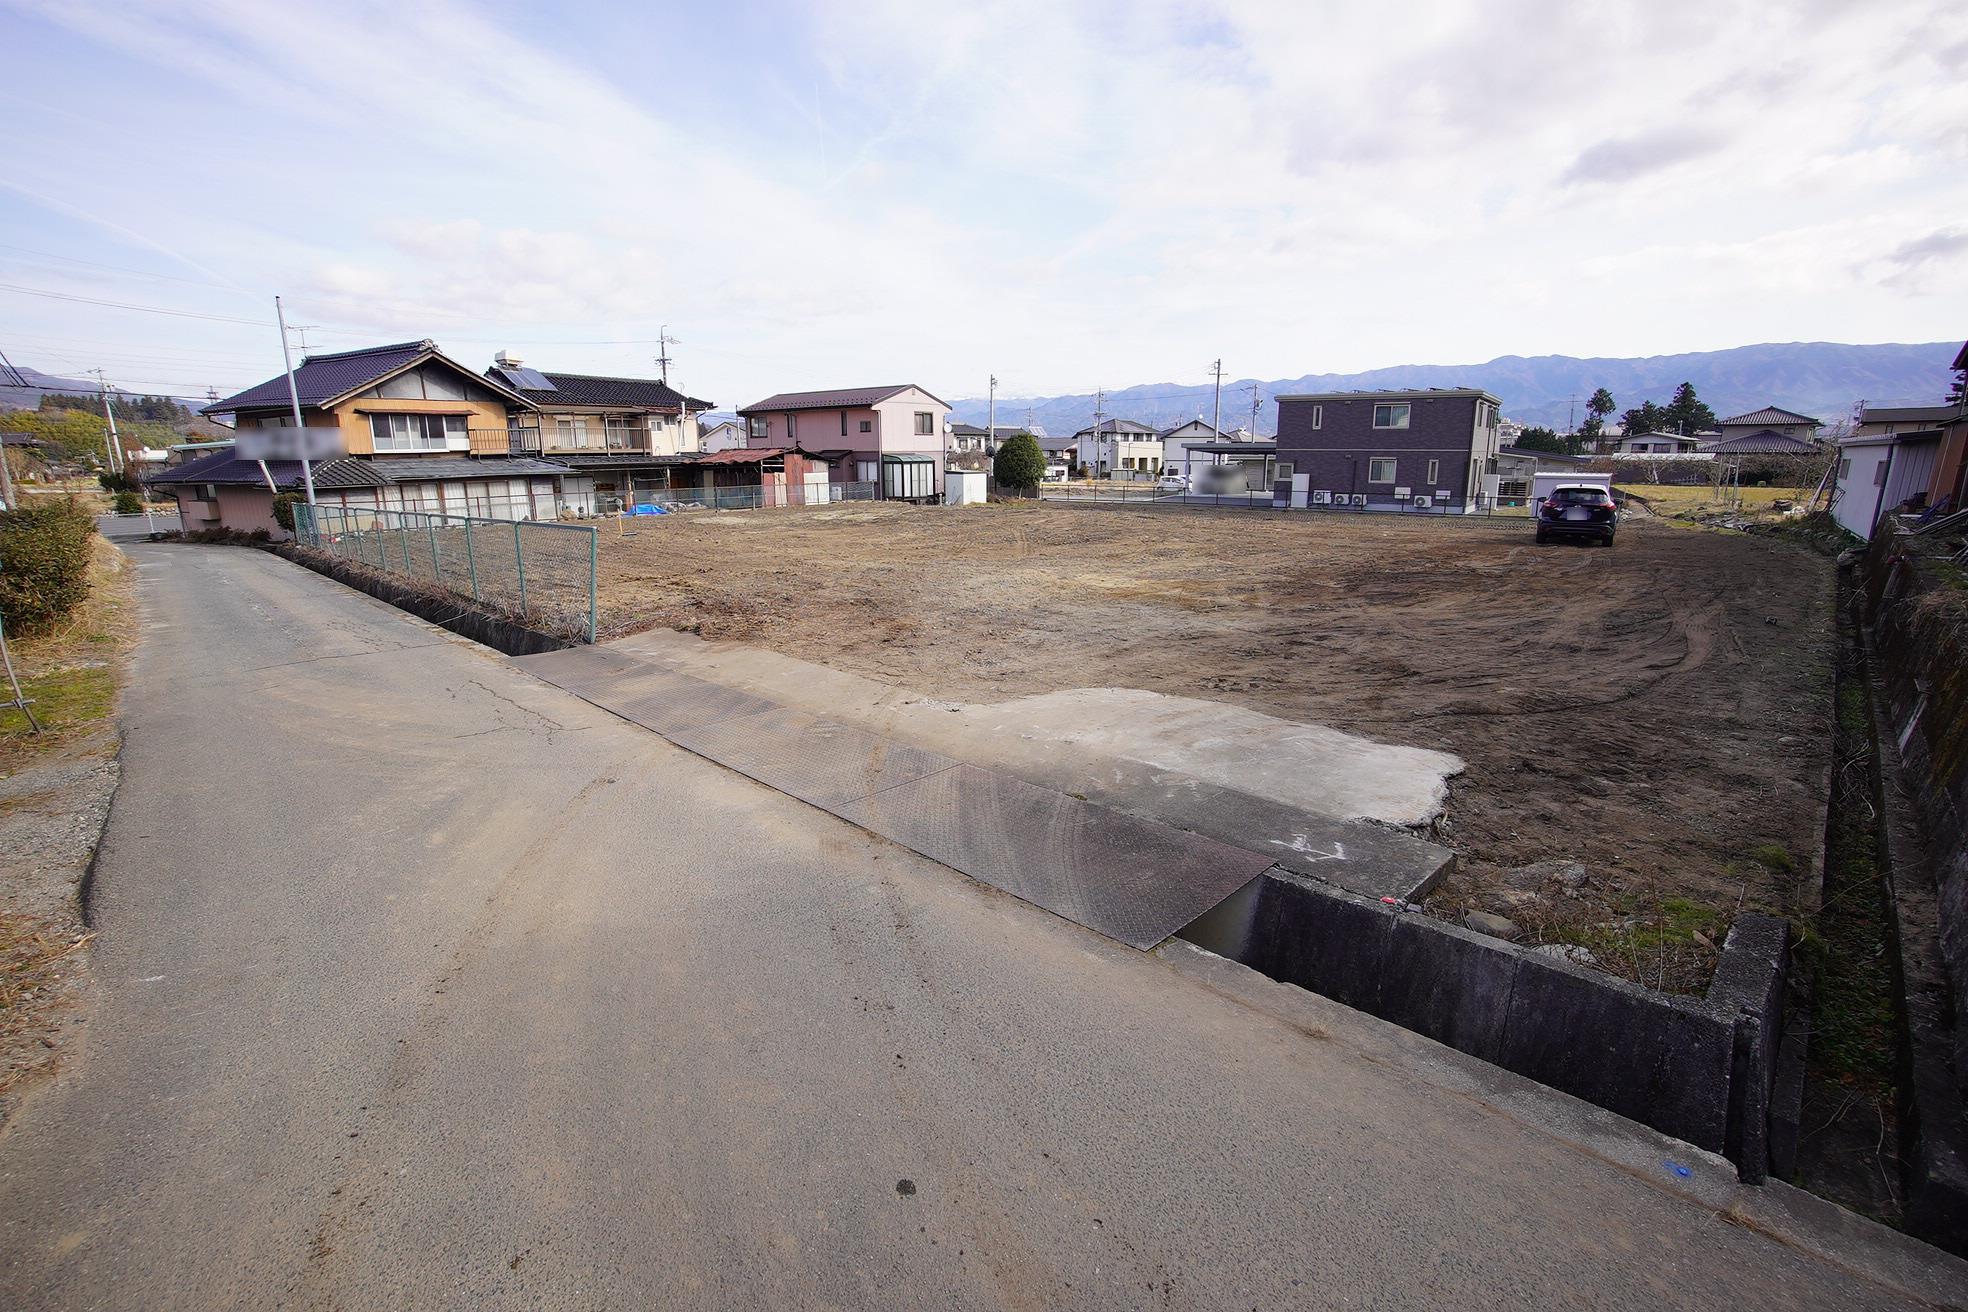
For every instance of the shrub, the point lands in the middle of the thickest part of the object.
(129, 503)
(116, 482)
(1020, 463)
(283, 509)
(44, 564)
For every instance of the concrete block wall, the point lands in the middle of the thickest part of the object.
(1697, 1068)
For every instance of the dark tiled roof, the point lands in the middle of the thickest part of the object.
(1123, 427)
(460, 467)
(849, 398)
(595, 390)
(322, 378)
(234, 471)
(1760, 443)
(319, 377)
(1768, 415)
(966, 430)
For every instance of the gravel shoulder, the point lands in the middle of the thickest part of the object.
(55, 792)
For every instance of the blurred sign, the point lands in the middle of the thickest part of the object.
(289, 443)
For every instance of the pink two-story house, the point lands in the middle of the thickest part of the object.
(889, 436)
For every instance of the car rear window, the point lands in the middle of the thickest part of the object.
(1580, 496)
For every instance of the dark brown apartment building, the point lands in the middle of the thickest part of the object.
(1434, 447)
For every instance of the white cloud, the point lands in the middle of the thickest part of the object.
(1066, 193)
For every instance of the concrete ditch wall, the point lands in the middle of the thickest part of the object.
(1700, 1069)
(447, 612)
(1917, 664)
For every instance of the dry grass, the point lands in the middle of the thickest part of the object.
(72, 673)
(35, 963)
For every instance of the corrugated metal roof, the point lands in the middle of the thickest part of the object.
(745, 455)
(1908, 414)
(849, 398)
(1767, 416)
(617, 459)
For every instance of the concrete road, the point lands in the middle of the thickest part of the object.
(424, 984)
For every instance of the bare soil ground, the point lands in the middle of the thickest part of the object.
(1657, 711)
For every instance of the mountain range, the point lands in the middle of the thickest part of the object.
(22, 388)
(1823, 379)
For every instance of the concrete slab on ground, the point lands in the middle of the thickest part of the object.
(1363, 856)
(1137, 881)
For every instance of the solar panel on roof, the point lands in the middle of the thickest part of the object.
(526, 380)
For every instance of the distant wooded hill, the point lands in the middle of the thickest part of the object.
(1823, 379)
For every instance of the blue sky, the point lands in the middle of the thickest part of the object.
(1067, 195)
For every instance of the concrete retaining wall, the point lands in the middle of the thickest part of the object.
(445, 611)
(1918, 668)
(1700, 1069)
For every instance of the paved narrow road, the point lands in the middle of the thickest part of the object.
(424, 984)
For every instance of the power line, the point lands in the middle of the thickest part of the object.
(125, 305)
(114, 268)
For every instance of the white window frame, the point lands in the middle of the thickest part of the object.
(393, 431)
(1407, 413)
(622, 432)
(1374, 462)
(1434, 472)
(1318, 416)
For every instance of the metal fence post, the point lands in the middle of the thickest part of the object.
(437, 571)
(594, 556)
(519, 563)
(471, 561)
(403, 540)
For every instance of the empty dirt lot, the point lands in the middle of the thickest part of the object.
(1655, 711)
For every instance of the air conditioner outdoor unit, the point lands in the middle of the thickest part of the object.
(1423, 502)
(1322, 498)
(1359, 498)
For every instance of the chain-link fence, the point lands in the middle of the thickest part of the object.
(1482, 506)
(543, 573)
(757, 497)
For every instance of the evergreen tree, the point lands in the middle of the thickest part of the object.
(1019, 462)
(1541, 439)
(1645, 418)
(1687, 414)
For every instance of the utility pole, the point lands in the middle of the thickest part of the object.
(294, 399)
(663, 344)
(1216, 415)
(1571, 416)
(991, 418)
(1257, 404)
(109, 413)
(1099, 404)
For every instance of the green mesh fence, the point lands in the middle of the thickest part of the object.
(542, 573)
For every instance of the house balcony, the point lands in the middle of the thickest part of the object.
(505, 441)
